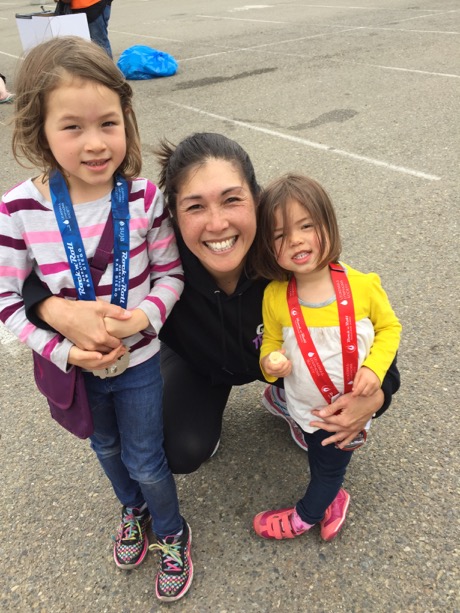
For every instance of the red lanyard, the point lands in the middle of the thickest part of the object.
(347, 334)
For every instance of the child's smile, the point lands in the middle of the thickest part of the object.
(85, 130)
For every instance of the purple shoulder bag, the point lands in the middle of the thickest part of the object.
(65, 391)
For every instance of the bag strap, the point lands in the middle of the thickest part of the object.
(100, 259)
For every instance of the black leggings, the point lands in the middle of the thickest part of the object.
(192, 413)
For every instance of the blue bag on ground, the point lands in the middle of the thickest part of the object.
(142, 62)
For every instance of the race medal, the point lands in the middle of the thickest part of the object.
(116, 369)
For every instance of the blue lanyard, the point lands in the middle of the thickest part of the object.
(73, 242)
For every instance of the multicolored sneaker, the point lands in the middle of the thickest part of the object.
(335, 515)
(131, 543)
(274, 402)
(176, 568)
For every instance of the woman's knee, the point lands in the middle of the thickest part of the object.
(188, 454)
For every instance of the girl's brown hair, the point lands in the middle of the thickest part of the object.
(310, 195)
(44, 68)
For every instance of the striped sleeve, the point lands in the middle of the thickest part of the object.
(16, 263)
(166, 273)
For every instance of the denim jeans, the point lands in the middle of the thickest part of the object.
(98, 30)
(128, 441)
(328, 466)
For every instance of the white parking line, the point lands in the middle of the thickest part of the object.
(264, 46)
(16, 57)
(218, 17)
(134, 34)
(312, 144)
(362, 8)
(335, 6)
(433, 74)
(395, 29)
(430, 15)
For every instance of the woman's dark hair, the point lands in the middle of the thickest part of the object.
(176, 162)
(315, 200)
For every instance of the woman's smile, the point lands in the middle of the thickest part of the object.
(222, 245)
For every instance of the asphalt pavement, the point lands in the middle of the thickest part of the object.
(363, 96)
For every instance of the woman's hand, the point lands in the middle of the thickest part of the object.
(82, 321)
(93, 360)
(347, 416)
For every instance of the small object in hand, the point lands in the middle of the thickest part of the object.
(356, 443)
(276, 357)
(113, 371)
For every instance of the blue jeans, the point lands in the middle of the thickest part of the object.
(98, 30)
(328, 466)
(128, 441)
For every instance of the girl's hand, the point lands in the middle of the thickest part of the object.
(82, 322)
(347, 416)
(94, 360)
(366, 382)
(124, 328)
(276, 364)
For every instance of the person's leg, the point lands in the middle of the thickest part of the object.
(105, 441)
(328, 466)
(192, 413)
(324, 501)
(138, 405)
(274, 401)
(131, 542)
(99, 30)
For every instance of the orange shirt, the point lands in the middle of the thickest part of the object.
(82, 4)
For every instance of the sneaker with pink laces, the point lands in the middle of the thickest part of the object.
(175, 575)
(335, 515)
(274, 402)
(132, 542)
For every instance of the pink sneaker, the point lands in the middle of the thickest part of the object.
(276, 405)
(277, 524)
(335, 515)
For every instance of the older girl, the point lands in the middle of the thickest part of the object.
(75, 121)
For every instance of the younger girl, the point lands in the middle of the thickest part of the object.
(75, 121)
(351, 339)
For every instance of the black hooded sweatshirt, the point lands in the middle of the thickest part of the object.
(219, 335)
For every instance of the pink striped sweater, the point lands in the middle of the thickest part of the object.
(30, 239)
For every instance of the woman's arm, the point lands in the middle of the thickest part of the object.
(82, 322)
(348, 415)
